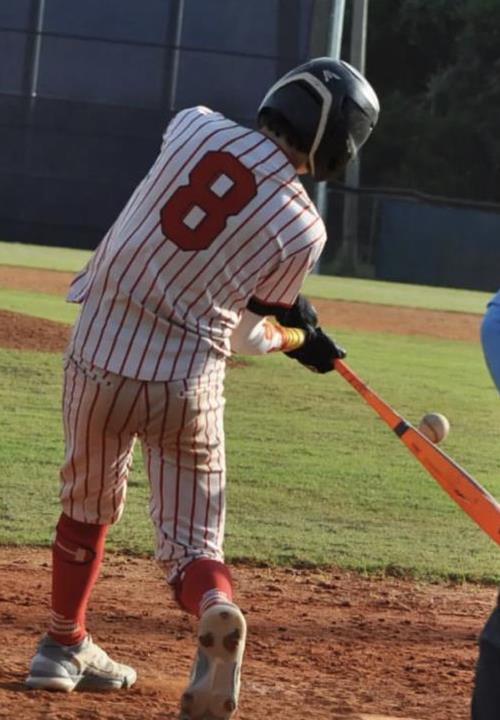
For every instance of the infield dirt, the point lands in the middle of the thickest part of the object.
(20, 331)
(323, 645)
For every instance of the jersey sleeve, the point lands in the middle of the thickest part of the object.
(82, 282)
(298, 234)
(181, 117)
(283, 284)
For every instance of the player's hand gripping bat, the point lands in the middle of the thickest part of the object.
(462, 487)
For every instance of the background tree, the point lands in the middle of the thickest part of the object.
(436, 67)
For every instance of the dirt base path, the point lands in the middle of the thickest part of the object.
(322, 645)
(22, 332)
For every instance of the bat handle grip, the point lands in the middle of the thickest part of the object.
(338, 364)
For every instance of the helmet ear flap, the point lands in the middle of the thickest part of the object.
(331, 108)
(345, 134)
(342, 159)
(335, 151)
(294, 102)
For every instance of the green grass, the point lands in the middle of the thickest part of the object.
(314, 476)
(53, 307)
(385, 293)
(42, 305)
(40, 256)
(320, 286)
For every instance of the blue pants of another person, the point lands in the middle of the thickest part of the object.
(486, 696)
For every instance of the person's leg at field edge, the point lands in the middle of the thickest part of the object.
(94, 479)
(185, 460)
(486, 694)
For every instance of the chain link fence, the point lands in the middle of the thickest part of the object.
(406, 236)
(86, 90)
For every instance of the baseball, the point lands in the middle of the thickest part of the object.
(435, 427)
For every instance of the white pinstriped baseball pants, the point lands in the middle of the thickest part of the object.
(180, 426)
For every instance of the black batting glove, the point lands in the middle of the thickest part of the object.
(302, 314)
(318, 352)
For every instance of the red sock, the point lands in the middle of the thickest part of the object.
(203, 583)
(76, 560)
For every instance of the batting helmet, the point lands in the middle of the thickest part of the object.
(328, 108)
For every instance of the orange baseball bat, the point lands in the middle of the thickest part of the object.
(460, 486)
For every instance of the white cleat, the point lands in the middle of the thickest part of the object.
(214, 687)
(82, 666)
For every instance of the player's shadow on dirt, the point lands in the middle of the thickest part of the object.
(15, 686)
(20, 687)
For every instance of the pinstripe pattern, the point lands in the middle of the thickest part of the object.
(180, 426)
(151, 310)
(147, 355)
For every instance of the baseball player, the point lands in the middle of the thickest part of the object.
(207, 258)
(486, 695)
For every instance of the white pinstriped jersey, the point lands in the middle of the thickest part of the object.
(220, 217)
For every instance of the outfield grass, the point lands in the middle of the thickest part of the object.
(41, 305)
(314, 476)
(320, 286)
(55, 308)
(40, 256)
(405, 295)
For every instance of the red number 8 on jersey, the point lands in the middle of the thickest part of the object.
(219, 186)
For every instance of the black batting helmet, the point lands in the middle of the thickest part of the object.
(330, 109)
